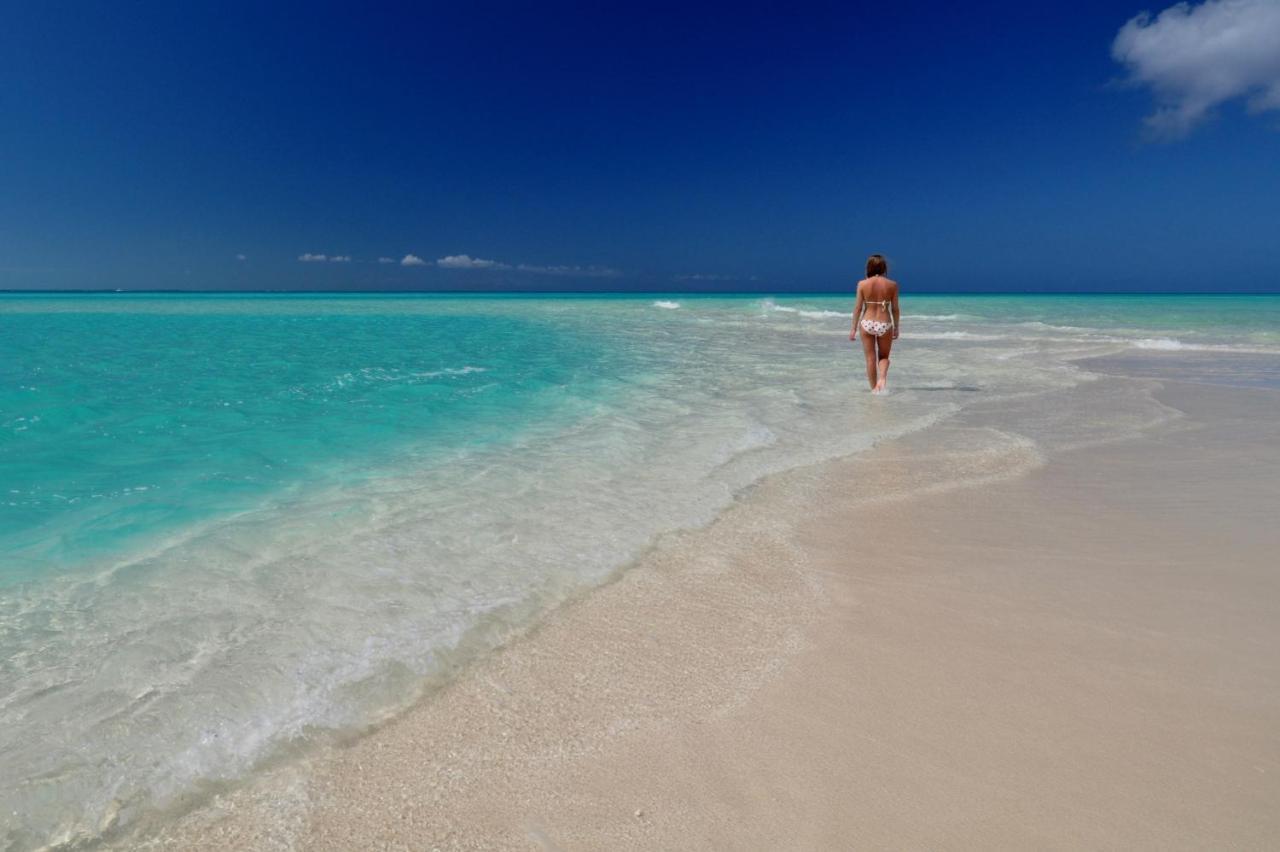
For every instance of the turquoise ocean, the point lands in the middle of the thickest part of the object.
(233, 526)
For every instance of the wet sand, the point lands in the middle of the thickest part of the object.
(916, 648)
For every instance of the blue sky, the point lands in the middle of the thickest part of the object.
(984, 146)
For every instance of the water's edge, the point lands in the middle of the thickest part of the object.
(1040, 370)
(995, 456)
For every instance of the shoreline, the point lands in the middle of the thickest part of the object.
(669, 706)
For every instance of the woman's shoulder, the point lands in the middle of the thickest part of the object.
(888, 282)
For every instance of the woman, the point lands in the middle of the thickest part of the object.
(876, 318)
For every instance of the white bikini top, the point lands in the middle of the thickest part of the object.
(884, 304)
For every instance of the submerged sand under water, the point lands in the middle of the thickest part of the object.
(1047, 622)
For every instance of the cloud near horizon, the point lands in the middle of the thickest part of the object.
(465, 261)
(1196, 57)
(308, 257)
(409, 260)
(705, 276)
(577, 271)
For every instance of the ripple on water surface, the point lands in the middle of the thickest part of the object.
(229, 525)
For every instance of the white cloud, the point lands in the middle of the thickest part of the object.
(322, 258)
(1195, 57)
(704, 276)
(410, 260)
(241, 257)
(577, 271)
(465, 261)
(390, 259)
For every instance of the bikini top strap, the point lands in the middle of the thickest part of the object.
(886, 304)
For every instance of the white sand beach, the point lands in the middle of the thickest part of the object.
(911, 648)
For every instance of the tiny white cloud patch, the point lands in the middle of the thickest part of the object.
(410, 260)
(1196, 57)
(241, 257)
(711, 276)
(466, 261)
(324, 258)
(579, 271)
(389, 259)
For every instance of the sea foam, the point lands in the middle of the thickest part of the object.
(238, 527)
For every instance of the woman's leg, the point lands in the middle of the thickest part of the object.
(885, 343)
(869, 349)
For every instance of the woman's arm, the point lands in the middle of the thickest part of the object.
(857, 311)
(897, 315)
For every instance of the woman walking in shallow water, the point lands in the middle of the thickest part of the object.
(876, 318)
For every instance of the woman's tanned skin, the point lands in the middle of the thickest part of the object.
(876, 288)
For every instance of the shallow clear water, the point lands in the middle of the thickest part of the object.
(127, 419)
(229, 524)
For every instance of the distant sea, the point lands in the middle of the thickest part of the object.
(234, 525)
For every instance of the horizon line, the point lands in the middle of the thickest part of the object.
(115, 291)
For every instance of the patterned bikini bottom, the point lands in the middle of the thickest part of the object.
(875, 328)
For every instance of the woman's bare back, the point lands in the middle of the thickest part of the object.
(876, 315)
(875, 291)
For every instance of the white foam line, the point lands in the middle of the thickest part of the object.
(770, 305)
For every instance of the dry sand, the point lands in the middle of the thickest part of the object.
(1078, 653)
